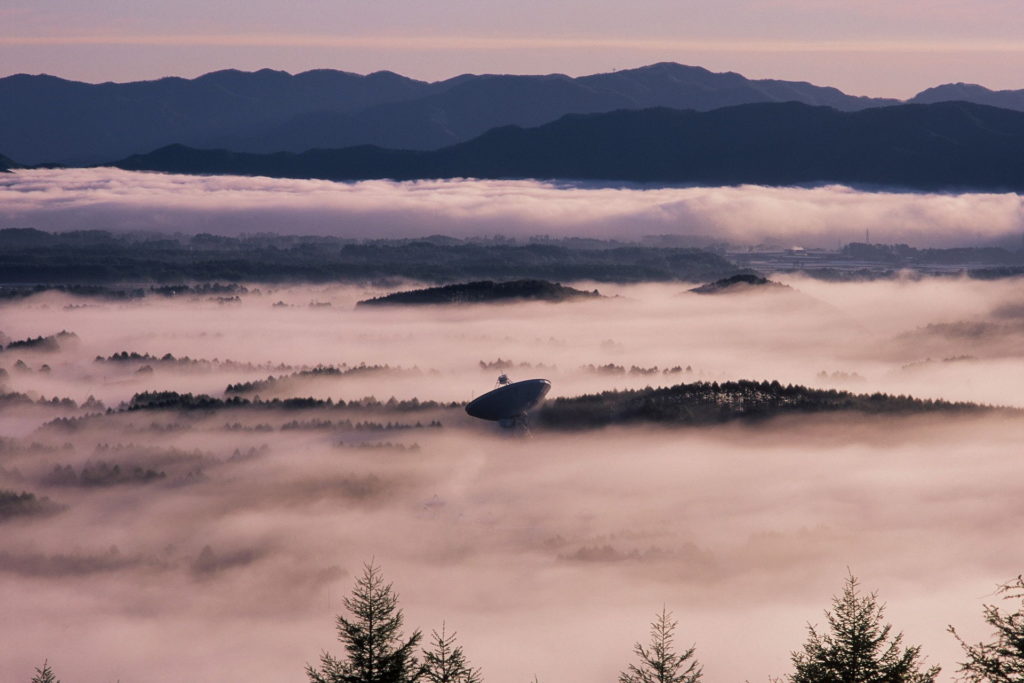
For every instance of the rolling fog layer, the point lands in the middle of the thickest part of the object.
(222, 545)
(112, 199)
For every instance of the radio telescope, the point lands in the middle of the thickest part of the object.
(508, 404)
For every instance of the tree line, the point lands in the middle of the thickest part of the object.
(705, 403)
(855, 646)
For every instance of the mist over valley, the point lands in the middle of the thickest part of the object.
(211, 470)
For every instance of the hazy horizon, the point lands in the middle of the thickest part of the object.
(871, 48)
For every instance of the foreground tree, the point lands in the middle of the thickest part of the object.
(45, 675)
(1002, 659)
(377, 650)
(858, 648)
(445, 662)
(659, 663)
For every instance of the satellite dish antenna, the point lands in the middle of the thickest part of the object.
(508, 404)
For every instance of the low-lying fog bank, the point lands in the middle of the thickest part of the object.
(217, 544)
(112, 199)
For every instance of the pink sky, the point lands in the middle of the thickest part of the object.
(869, 47)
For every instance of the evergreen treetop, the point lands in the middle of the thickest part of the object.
(45, 675)
(445, 661)
(859, 647)
(659, 663)
(1002, 659)
(377, 652)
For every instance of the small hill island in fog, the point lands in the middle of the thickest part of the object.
(741, 282)
(484, 291)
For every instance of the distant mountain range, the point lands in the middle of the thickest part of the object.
(967, 92)
(48, 119)
(943, 146)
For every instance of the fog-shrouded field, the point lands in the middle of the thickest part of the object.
(216, 543)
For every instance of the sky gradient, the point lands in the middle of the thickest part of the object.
(869, 47)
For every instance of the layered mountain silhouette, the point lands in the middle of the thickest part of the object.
(968, 92)
(943, 146)
(48, 119)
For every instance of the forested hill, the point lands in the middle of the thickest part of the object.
(741, 282)
(704, 403)
(944, 146)
(485, 291)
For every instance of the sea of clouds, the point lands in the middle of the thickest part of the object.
(550, 555)
(112, 199)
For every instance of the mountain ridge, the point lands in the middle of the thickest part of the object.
(971, 92)
(943, 146)
(50, 119)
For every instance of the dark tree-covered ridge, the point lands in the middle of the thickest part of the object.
(49, 343)
(702, 403)
(172, 400)
(696, 404)
(26, 504)
(484, 291)
(740, 282)
(285, 382)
